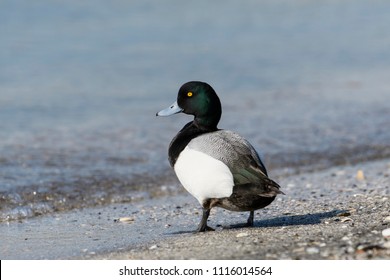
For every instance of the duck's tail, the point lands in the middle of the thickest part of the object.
(265, 188)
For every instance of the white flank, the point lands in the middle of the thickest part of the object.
(203, 176)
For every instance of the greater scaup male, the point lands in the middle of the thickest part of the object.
(218, 167)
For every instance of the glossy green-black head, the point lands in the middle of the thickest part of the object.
(198, 99)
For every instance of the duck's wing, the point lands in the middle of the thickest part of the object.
(234, 151)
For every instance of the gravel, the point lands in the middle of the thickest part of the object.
(332, 214)
(328, 214)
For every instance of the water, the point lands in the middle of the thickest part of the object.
(80, 83)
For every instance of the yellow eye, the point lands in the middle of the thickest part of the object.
(189, 94)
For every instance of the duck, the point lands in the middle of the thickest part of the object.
(218, 167)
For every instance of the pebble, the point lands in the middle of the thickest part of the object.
(127, 220)
(386, 233)
(242, 234)
(360, 175)
(350, 250)
(346, 219)
(153, 247)
(345, 238)
(387, 220)
(312, 250)
(299, 250)
(344, 214)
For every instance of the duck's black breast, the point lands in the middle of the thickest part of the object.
(181, 140)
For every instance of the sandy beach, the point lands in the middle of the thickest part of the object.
(340, 213)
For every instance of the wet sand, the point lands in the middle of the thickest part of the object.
(332, 214)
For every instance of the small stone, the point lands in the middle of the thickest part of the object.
(386, 233)
(350, 250)
(325, 254)
(345, 238)
(153, 247)
(126, 220)
(242, 234)
(312, 250)
(344, 214)
(299, 250)
(387, 220)
(345, 219)
(360, 175)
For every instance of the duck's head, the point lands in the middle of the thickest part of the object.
(198, 99)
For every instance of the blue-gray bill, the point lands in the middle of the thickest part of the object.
(171, 110)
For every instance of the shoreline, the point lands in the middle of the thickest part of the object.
(330, 214)
(29, 202)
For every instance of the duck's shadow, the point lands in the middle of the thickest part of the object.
(296, 220)
(293, 220)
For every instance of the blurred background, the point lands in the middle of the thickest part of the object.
(307, 82)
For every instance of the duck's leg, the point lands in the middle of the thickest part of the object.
(250, 219)
(203, 223)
